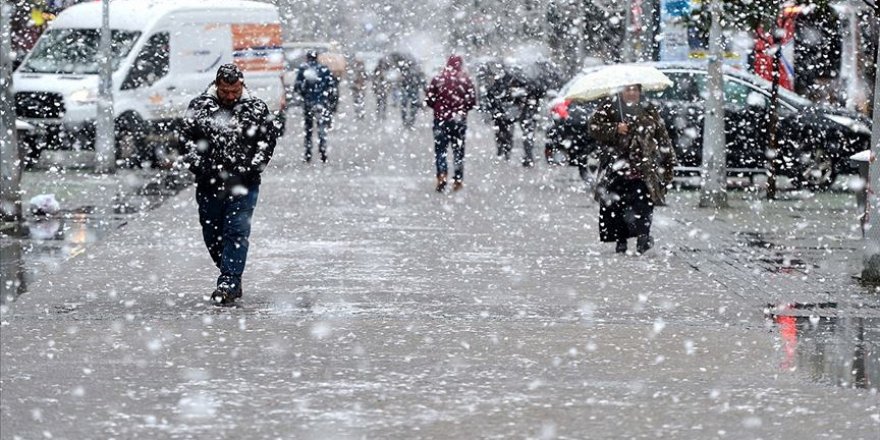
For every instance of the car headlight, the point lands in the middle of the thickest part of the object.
(852, 124)
(84, 96)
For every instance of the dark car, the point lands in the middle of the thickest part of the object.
(815, 141)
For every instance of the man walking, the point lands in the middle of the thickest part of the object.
(320, 92)
(230, 137)
(412, 82)
(513, 99)
(451, 94)
(381, 87)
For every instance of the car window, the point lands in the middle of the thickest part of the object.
(686, 86)
(151, 64)
(737, 93)
(744, 95)
(76, 51)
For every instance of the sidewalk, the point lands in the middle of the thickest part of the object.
(376, 308)
(90, 206)
(82, 190)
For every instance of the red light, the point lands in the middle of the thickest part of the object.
(561, 109)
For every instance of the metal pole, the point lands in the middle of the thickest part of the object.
(628, 49)
(714, 193)
(105, 142)
(10, 160)
(871, 271)
(773, 124)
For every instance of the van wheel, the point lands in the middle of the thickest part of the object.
(131, 148)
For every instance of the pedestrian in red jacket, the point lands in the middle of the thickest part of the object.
(451, 94)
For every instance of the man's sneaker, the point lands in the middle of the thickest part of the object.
(226, 294)
(621, 247)
(457, 186)
(220, 297)
(644, 243)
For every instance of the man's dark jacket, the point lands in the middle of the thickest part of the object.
(228, 146)
(317, 85)
(513, 98)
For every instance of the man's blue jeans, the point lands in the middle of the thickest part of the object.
(449, 134)
(226, 226)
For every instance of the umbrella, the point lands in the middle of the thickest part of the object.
(609, 80)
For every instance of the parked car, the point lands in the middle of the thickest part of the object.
(815, 142)
(56, 86)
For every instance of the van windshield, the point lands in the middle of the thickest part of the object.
(76, 51)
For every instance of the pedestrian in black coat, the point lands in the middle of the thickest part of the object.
(320, 96)
(636, 168)
(512, 100)
(230, 137)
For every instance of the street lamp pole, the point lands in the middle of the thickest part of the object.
(10, 160)
(871, 271)
(105, 142)
(628, 46)
(714, 179)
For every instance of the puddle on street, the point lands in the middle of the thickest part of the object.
(45, 245)
(41, 245)
(828, 344)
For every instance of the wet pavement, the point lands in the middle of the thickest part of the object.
(377, 308)
(43, 246)
(832, 346)
(91, 206)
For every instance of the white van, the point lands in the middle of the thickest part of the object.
(165, 52)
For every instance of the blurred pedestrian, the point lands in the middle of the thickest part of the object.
(381, 87)
(451, 94)
(320, 96)
(357, 79)
(512, 100)
(230, 137)
(411, 84)
(636, 167)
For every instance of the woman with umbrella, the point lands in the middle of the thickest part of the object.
(636, 166)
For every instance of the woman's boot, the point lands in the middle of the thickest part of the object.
(644, 243)
(441, 182)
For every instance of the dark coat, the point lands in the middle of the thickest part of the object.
(228, 147)
(317, 85)
(512, 98)
(645, 153)
(412, 82)
(451, 93)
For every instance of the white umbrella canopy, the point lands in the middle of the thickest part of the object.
(609, 80)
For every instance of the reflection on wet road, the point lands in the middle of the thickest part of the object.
(41, 244)
(828, 344)
(44, 244)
